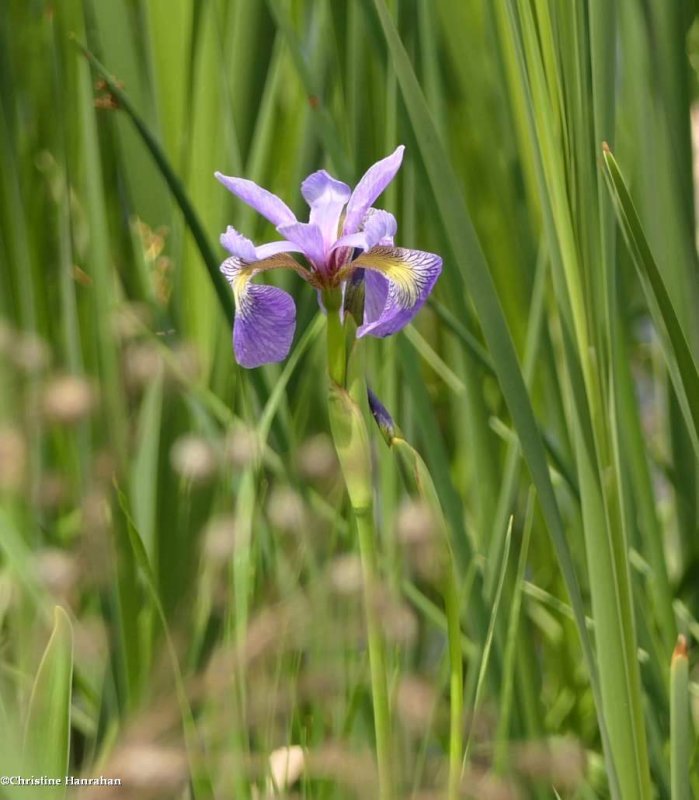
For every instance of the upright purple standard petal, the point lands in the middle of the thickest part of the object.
(326, 198)
(264, 202)
(378, 227)
(308, 239)
(406, 278)
(264, 326)
(374, 181)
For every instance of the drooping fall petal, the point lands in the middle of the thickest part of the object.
(409, 277)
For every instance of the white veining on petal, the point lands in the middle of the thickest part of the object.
(408, 271)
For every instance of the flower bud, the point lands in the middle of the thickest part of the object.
(382, 418)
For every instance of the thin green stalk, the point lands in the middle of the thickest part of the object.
(337, 349)
(377, 655)
(679, 721)
(173, 181)
(419, 482)
(456, 682)
(351, 440)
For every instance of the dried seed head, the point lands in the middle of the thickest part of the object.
(317, 461)
(30, 353)
(416, 529)
(91, 642)
(398, 620)
(194, 459)
(7, 338)
(131, 320)
(219, 539)
(344, 766)
(95, 549)
(480, 785)
(286, 766)
(560, 762)
(104, 466)
(150, 770)
(415, 523)
(57, 571)
(10, 593)
(51, 491)
(416, 701)
(142, 362)
(345, 575)
(187, 363)
(68, 399)
(13, 459)
(241, 447)
(287, 511)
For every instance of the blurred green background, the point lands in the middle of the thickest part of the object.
(188, 516)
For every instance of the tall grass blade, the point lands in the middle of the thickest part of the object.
(471, 261)
(680, 360)
(47, 731)
(680, 742)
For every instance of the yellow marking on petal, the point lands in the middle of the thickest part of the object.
(407, 270)
(239, 272)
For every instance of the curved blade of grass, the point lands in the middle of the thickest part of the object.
(211, 261)
(476, 350)
(209, 257)
(47, 732)
(511, 641)
(681, 363)
(471, 261)
(313, 85)
(201, 782)
(488, 644)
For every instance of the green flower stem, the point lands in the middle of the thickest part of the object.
(456, 683)
(337, 347)
(377, 655)
(351, 440)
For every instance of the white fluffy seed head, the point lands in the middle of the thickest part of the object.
(13, 459)
(317, 461)
(286, 510)
(286, 765)
(68, 399)
(193, 458)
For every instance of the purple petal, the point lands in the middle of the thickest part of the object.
(274, 249)
(244, 250)
(264, 326)
(375, 294)
(238, 245)
(374, 181)
(379, 227)
(382, 418)
(408, 277)
(326, 197)
(309, 240)
(264, 202)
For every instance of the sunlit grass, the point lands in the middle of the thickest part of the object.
(189, 517)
